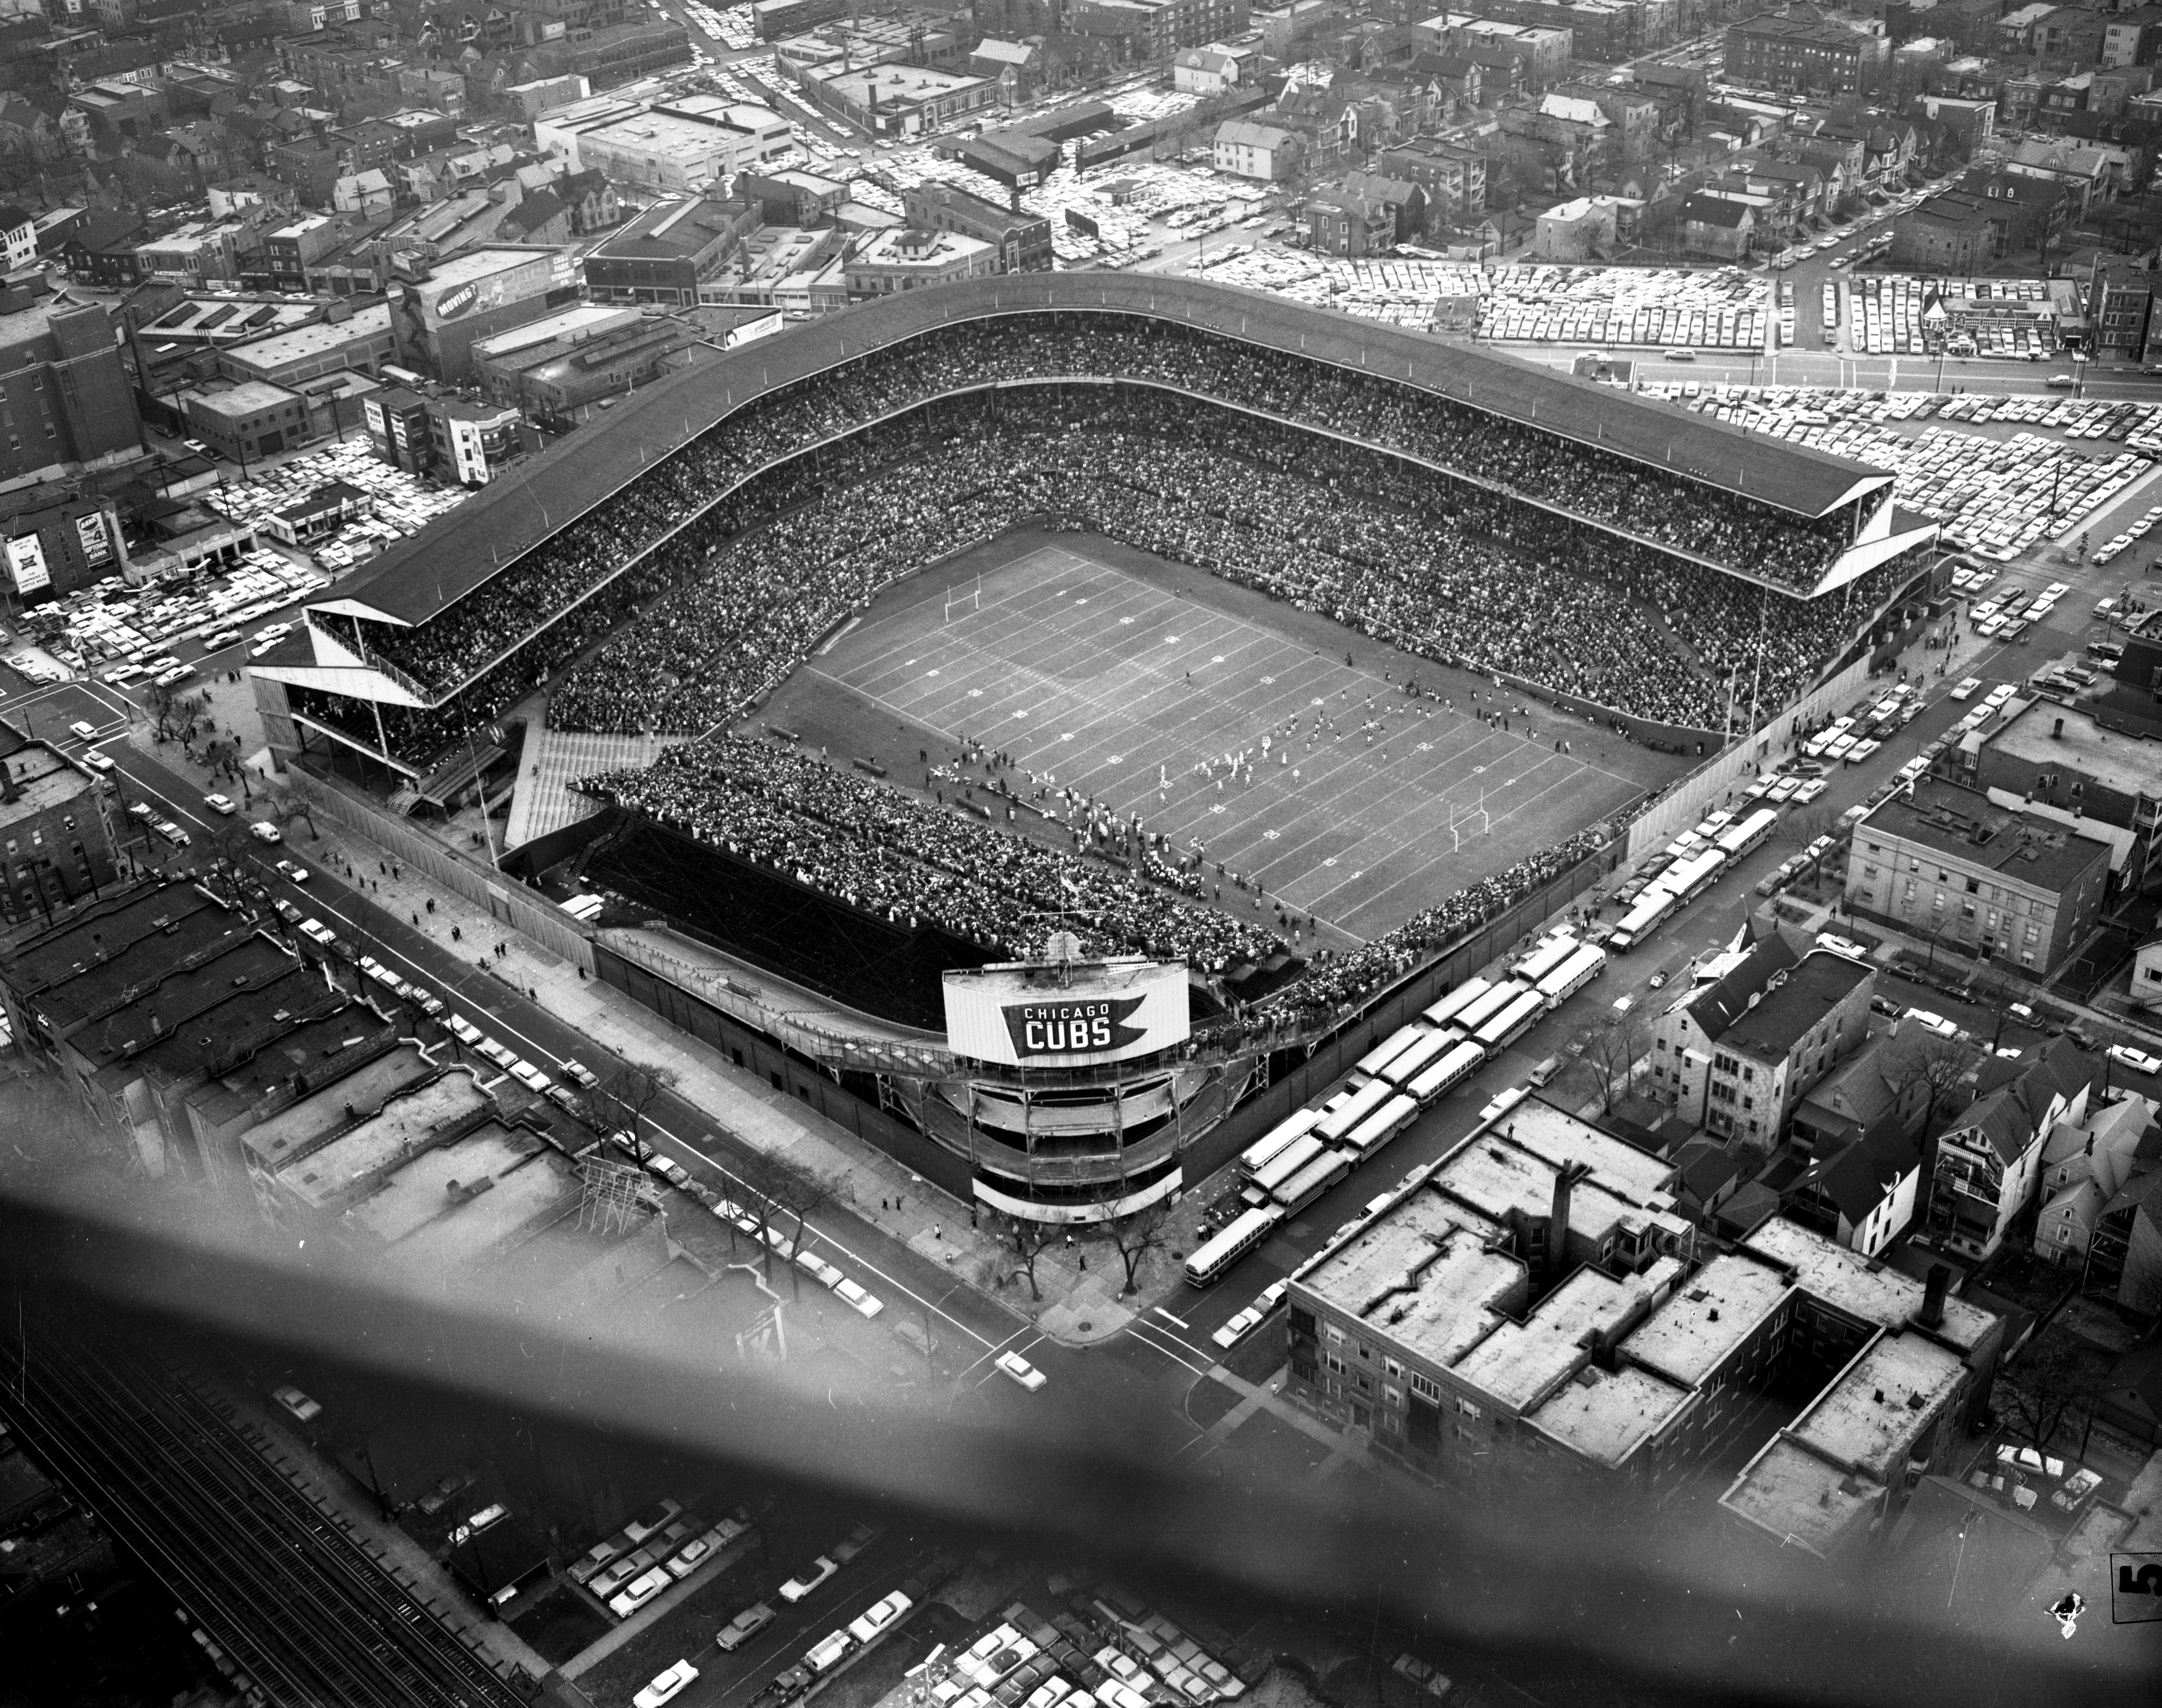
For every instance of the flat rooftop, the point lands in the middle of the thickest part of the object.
(271, 998)
(320, 339)
(408, 1119)
(51, 963)
(421, 1191)
(2121, 762)
(1791, 1493)
(1876, 1292)
(1888, 1399)
(1606, 1416)
(1691, 1335)
(1424, 1274)
(2023, 847)
(587, 317)
(307, 1047)
(249, 397)
(1520, 1363)
(288, 1134)
(44, 780)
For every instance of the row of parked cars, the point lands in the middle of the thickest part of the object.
(662, 1545)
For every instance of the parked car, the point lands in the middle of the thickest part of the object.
(2140, 1060)
(855, 1542)
(744, 1626)
(809, 1579)
(97, 761)
(303, 1408)
(291, 873)
(639, 1592)
(265, 832)
(579, 1073)
(316, 932)
(875, 1619)
(666, 1686)
(531, 1077)
(655, 1518)
(857, 1300)
(1235, 1330)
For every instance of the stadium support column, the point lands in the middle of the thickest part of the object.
(381, 741)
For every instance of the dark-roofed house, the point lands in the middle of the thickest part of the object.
(1989, 1161)
(1988, 880)
(667, 252)
(1263, 151)
(100, 248)
(2085, 1166)
(1861, 1194)
(1735, 1052)
(1022, 239)
(1718, 225)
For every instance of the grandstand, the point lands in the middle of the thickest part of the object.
(404, 660)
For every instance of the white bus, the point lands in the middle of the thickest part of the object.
(1288, 1162)
(1544, 959)
(1374, 1063)
(1310, 1182)
(1259, 1154)
(1475, 1015)
(1510, 1023)
(1687, 880)
(1749, 835)
(1451, 1071)
(1332, 1127)
(1444, 1013)
(1206, 1266)
(1423, 1055)
(1572, 974)
(1380, 1126)
(1647, 917)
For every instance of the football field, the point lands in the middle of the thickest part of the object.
(1366, 805)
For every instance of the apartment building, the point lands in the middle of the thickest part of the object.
(1989, 1161)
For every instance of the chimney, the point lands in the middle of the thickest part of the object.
(1564, 1186)
(1933, 1296)
(2057, 730)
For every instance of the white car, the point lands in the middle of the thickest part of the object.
(531, 1077)
(1809, 790)
(497, 1054)
(265, 832)
(666, 1687)
(96, 762)
(2138, 1060)
(805, 1581)
(1932, 1022)
(1239, 1327)
(628, 1600)
(316, 932)
(79, 727)
(298, 1403)
(1012, 1364)
(857, 1300)
(464, 1031)
(744, 1626)
(825, 1274)
(291, 873)
(880, 1614)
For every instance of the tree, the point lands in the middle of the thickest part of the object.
(1939, 1064)
(1138, 1237)
(627, 1095)
(1028, 1240)
(1615, 1043)
(284, 806)
(1805, 825)
(173, 714)
(2054, 1377)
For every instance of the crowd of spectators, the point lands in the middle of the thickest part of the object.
(878, 849)
(1666, 507)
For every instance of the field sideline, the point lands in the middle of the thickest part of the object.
(1117, 682)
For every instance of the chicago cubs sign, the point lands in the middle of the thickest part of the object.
(1026, 1015)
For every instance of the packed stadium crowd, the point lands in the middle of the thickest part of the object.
(1519, 458)
(876, 848)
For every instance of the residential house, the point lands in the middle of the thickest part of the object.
(367, 194)
(1016, 67)
(2124, 1253)
(1327, 123)
(1862, 1195)
(1714, 223)
(2147, 972)
(100, 250)
(1734, 1053)
(1452, 176)
(1263, 151)
(1558, 145)
(592, 201)
(1830, 54)
(1589, 228)
(18, 237)
(2085, 1165)
(1204, 72)
(1989, 1160)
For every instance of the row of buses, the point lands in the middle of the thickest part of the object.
(1414, 1068)
(1693, 871)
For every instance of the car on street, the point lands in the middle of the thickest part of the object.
(666, 1686)
(531, 1077)
(175, 673)
(1968, 687)
(744, 1626)
(97, 761)
(805, 1581)
(464, 1031)
(875, 1619)
(656, 1517)
(564, 1098)
(291, 873)
(1238, 1327)
(825, 1654)
(1420, 1673)
(83, 730)
(2059, 382)
(223, 638)
(142, 812)
(1013, 1365)
(316, 932)
(1810, 789)
(1932, 1022)
(170, 830)
(670, 1170)
(263, 831)
(285, 910)
(303, 1408)
(819, 1269)
(639, 1592)
(497, 1054)
(580, 1074)
(857, 1300)
(2140, 1060)
(196, 446)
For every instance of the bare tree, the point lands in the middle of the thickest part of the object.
(627, 1095)
(1137, 1238)
(781, 1193)
(1028, 1240)
(1940, 1064)
(1615, 1043)
(284, 806)
(1805, 825)
(2055, 1376)
(173, 714)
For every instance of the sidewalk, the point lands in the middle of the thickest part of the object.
(1079, 1304)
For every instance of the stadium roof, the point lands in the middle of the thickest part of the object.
(460, 551)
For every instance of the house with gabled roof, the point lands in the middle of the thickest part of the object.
(1989, 1161)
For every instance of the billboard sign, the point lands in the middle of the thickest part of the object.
(1026, 1016)
(468, 452)
(522, 277)
(97, 542)
(26, 565)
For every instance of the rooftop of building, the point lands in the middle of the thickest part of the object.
(176, 1005)
(223, 1020)
(671, 230)
(584, 321)
(1861, 1287)
(890, 82)
(1694, 1331)
(1882, 1403)
(239, 401)
(1788, 1492)
(1607, 1415)
(320, 339)
(118, 941)
(914, 246)
(40, 778)
(33, 317)
(2066, 738)
(1966, 826)
(479, 264)
(1520, 1363)
(290, 1133)
(1779, 1019)
(441, 1180)
(405, 1121)
(284, 1062)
